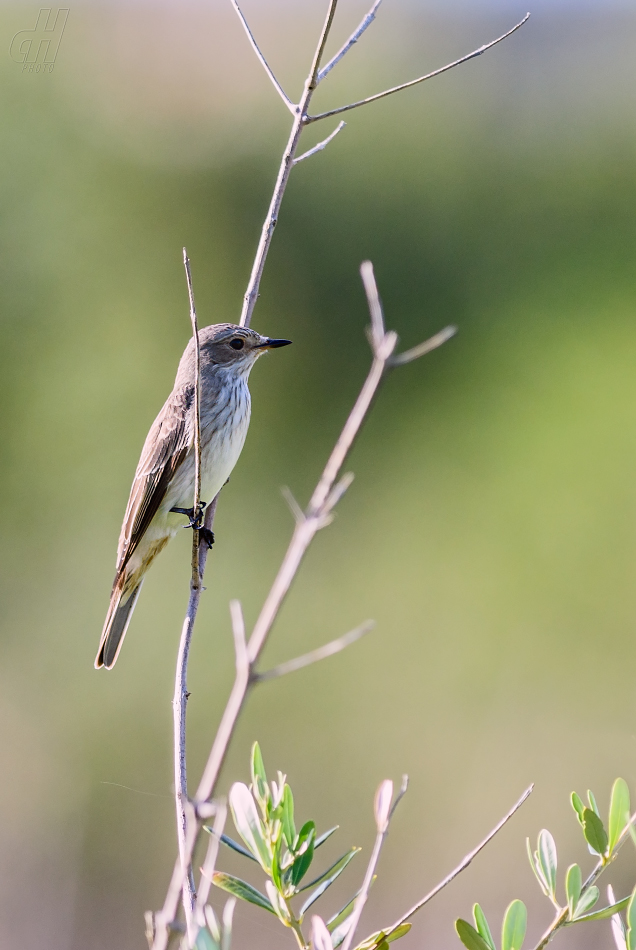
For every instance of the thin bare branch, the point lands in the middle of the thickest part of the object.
(294, 507)
(238, 631)
(377, 332)
(196, 579)
(355, 36)
(207, 869)
(329, 649)
(463, 864)
(320, 48)
(415, 82)
(383, 821)
(185, 817)
(404, 787)
(421, 349)
(321, 145)
(187, 831)
(277, 86)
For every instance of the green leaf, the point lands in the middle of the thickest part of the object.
(594, 832)
(241, 889)
(234, 845)
(469, 936)
(335, 869)
(605, 912)
(578, 806)
(259, 778)
(326, 834)
(280, 908)
(588, 899)
(630, 917)
(289, 828)
(573, 884)
(618, 812)
(248, 824)
(536, 868)
(593, 805)
(382, 939)
(547, 854)
(482, 926)
(514, 926)
(342, 914)
(326, 880)
(276, 869)
(205, 941)
(304, 853)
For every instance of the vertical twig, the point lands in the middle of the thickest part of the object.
(186, 821)
(196, 504)
(286, 165)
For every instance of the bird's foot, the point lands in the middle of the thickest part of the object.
(208, 536)
(195, 519)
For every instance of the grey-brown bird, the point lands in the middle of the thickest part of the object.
(162, 494)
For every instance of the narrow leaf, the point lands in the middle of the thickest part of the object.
(326, 880)
(381, 939)
(241, 889)
(573, 884)
(578, 806)
(591, 799)
(248, 824)
(547, 854)
(605, 912)
(280, 908)
(338, 866)
(259, 778)
(514, 926)
(289, 828)
(342, 914)
(536, 868)
(618, 812)
(234, 845)
(482, 926)
(469, 936)
(594, 832)
(630, 918)
(588, 899)
(304, 853)
(323, 837)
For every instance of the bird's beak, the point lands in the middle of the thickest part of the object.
(271, 344)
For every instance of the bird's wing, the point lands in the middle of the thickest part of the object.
(164, 450)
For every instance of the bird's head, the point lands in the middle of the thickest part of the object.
(238, 348)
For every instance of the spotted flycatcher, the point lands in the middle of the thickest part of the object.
(162, 493)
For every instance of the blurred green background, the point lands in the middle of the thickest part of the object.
(491, 529)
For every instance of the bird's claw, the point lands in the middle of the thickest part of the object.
(208, 536)
(195, 520)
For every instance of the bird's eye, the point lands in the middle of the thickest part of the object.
(237, 344)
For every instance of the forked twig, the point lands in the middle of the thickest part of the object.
(384, 810)
(326, 495)
(415, 82)
(321, 145)
(355, 36)
(277, 86)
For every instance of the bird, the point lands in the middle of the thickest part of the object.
(162, 492)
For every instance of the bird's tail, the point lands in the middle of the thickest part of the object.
(117, 620)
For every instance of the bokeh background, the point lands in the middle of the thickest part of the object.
(491, 529)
